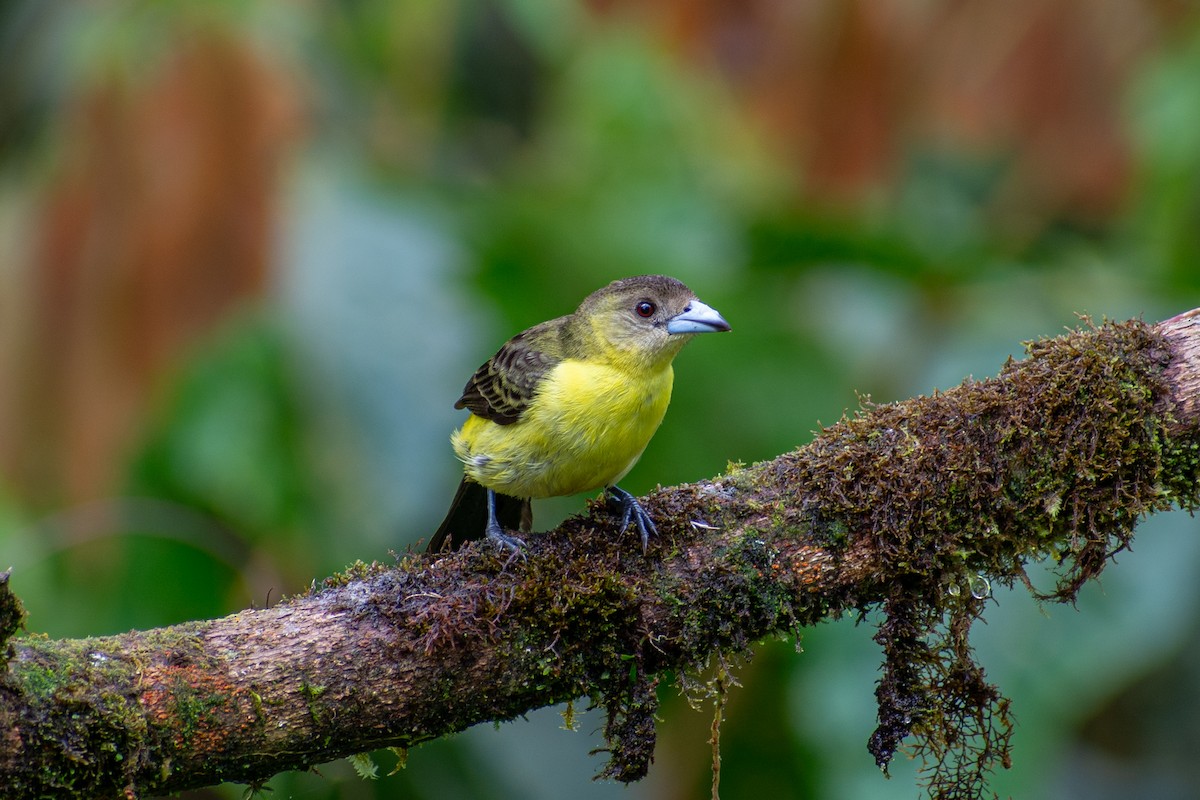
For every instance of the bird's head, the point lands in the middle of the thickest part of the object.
(647, 318)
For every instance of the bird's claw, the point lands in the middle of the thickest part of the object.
(515, 546)
(496, 534)
(631, 510)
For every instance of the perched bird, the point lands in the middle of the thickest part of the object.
(568, 406)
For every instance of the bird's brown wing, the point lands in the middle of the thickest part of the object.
(502, 388)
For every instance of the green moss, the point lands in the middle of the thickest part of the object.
(311, 694)
(12, 616)
(98, 731)
(195, 712)
(358, 571)
(1060, 455)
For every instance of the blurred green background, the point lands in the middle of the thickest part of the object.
(252, 251)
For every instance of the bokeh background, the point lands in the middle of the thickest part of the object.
(250, 251)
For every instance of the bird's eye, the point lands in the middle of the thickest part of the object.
(645, 309)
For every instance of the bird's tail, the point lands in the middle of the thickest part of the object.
(467, 517)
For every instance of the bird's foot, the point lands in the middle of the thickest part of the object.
(495, 533)
(515, 546)
(631, 510)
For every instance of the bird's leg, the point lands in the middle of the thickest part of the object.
(495, 532)
(631, 509)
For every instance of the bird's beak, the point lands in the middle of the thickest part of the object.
(697, 318)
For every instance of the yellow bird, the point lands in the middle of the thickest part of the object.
(568, 406)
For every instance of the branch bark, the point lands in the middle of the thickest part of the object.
(1057, 456)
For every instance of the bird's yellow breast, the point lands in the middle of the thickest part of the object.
(586, 427)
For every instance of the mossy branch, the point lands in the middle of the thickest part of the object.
(1055, 458)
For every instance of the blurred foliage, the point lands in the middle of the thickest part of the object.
(253, 250)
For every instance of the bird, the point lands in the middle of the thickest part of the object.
(568, 406)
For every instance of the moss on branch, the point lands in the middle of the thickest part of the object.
(913, 508)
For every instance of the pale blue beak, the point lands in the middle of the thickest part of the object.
(697, 318)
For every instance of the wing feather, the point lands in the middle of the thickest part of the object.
(502, 388)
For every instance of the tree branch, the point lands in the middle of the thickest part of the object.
(1058, 456)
